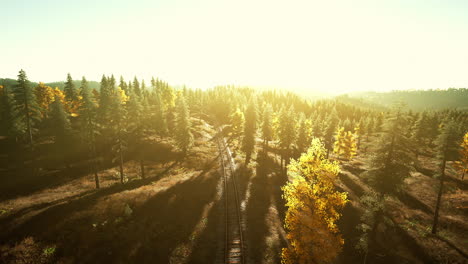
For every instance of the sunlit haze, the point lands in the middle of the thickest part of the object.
(318, 46)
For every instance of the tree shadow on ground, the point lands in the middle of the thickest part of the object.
(263, 186)
(159, 227)
(24, 178)
(58, 211)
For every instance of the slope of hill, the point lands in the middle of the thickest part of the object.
(419, 100)
(91, 84)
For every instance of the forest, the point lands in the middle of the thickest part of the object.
(128, 171)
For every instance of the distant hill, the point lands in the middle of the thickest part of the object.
(11, 82)
(417, 100)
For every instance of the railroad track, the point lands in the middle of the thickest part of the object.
(234, 242)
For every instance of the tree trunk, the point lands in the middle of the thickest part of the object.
(372, 238)
(96, 176)
(142, 168)
(28, 123)
(439, 198)
(121, 165)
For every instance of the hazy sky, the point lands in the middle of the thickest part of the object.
(326, 45)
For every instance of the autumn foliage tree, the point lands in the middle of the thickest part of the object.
(45, 96)
(345, 144)
(313, 208)
(462, 164)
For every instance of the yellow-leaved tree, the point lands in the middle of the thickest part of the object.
(45, 96)
(345, 144)
(313, 208)
(462, 164)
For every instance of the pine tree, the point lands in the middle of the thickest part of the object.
(123, 85)
(359, 132)
(184, 137)
(159, 120)
(391, 164)
(136, 87)
(136, 128)
(446, 150)
(462, 164)
(112, 83)
(313, 206)
(237, 123)
(418, 133)
(393, 159)
(286, 133)
(304, 133)
(26, 107)
(71, 93)
(369, 128)
(9, 123)
(118, 122)
(331, 126)
(250, 130)
(60, 126)
(88, 125)
(267, 125)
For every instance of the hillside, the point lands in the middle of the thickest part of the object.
(418, 100)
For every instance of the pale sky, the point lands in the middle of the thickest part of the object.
(326, 46)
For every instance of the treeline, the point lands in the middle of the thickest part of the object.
(61, 85)
(108, 122)
(420, 99)
(309, 139)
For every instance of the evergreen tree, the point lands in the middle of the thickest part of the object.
(111, 83)
(136, 128)
(26, 107)
(286, 133)
(446, 150)
(391, 164)
(71, 93)
(184, 137)
(267, 125)
(159, 120)
(393, 158)
(418, 133)
(88, 125)
(136, 87)
(237, 123)
(250, 130)
(304, 133)
(9, 123)
(60, 126)
(369, 128)
(123, 85)
(118, 122)
(331, 126)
